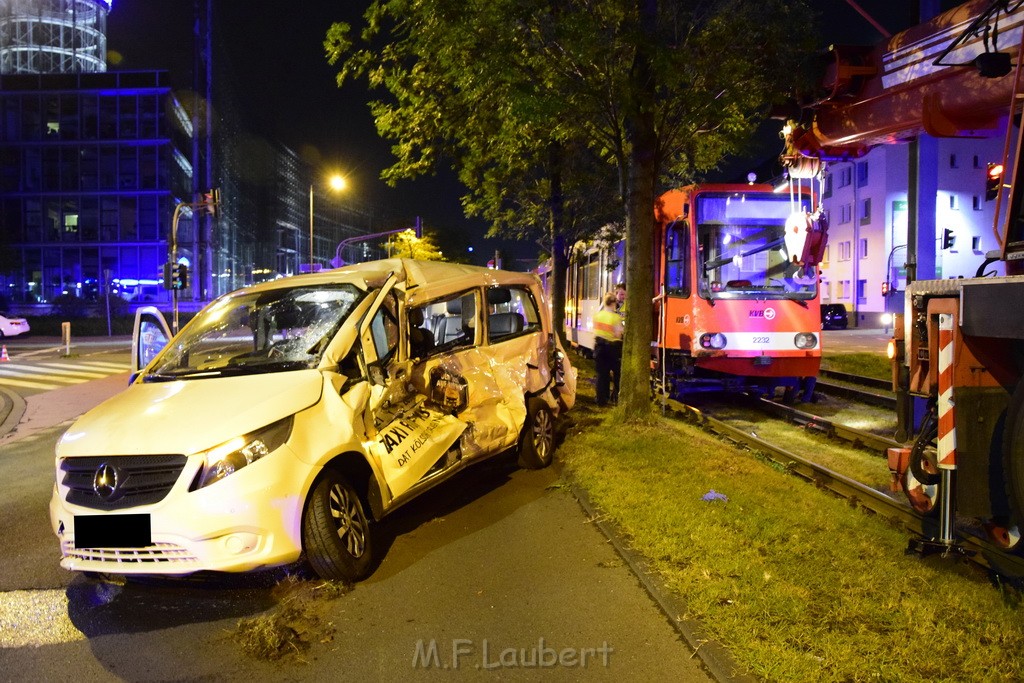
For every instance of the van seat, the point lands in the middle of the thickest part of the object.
(504, 325)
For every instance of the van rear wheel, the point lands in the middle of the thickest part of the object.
(537, 442)
(336, 532)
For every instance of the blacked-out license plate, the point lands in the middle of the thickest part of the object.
(112, 531)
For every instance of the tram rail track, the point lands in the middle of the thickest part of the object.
(970, 547)
(852, 435)
(866, 396)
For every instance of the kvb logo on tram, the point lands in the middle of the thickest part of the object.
(767, 314)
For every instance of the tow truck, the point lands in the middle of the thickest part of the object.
(958, 346)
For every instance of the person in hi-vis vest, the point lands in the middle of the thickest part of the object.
(608, 350)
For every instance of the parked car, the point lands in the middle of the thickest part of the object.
(834, 317)
(12, 327)
(288, 417)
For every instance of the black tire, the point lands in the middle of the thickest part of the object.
(1013, 455)
(924, 456)
(336, 532)
(537, 441)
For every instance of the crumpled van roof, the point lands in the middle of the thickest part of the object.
(419, 279)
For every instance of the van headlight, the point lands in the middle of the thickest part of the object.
(234, 454)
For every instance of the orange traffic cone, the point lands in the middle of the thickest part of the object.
(4, 358)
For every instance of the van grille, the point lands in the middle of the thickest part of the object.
(158, 553)
(140, 479)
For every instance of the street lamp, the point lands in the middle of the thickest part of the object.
(336, 183)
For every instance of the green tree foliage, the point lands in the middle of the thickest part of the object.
(407, 245)
(527, 97)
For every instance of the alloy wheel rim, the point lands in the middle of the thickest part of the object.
(349, 520)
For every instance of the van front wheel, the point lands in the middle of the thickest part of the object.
(537, 442)
(336, 531)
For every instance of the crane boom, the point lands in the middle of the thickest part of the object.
(948, 77)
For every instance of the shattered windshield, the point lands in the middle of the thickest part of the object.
(742, 250)
(250, 333)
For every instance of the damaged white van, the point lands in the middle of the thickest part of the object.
(287, 417)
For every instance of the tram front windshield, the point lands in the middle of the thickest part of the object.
(742, 250)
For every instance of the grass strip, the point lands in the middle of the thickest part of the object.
(793, 581)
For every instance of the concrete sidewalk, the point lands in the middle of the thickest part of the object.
(21, 417)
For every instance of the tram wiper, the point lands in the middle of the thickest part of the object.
(792, 297)
(711, 265)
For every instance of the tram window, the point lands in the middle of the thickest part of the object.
(592, 278)
(677, 272)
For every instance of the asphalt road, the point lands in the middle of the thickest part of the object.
(495, 574)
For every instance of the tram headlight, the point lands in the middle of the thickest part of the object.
(712, 340)
(805, 340)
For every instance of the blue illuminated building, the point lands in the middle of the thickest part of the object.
(93, 163)
(90, 166)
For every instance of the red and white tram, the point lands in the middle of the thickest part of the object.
(737, 290)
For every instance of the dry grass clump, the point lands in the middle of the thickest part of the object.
(294, 624)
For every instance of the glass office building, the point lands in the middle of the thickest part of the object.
(53, 36)
(91, 165)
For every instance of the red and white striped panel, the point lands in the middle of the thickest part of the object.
(947, 425)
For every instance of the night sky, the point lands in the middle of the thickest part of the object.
(287, 91)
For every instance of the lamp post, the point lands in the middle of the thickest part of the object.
(336, 183)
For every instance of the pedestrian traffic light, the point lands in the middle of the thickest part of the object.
(993, 181)
(210, 201)
(948, 238)
(179, 276)
(885, 288)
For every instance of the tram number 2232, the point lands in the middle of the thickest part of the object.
(761, 340)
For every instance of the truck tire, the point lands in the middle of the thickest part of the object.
(1013, 455)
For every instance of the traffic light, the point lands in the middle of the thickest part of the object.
(948, 238)
(179, 276)
(210, 201)
(167, 274)
(993, 181)
(885, 288)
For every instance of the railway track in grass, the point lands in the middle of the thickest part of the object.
(868, 390)
(971, 547)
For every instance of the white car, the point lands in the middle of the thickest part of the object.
(288, 417)
(11, 327)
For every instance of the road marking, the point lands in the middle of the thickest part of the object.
(106, 364)
(63, 372)
(68, 370)
(24, 385)
(35, 618)
(52, 375)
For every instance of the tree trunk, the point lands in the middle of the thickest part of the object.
(559, 255)
(634, 394)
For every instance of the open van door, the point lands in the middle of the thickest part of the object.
(413, 439)
(150, 335)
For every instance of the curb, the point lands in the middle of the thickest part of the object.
(12, 408)
(715, 657)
